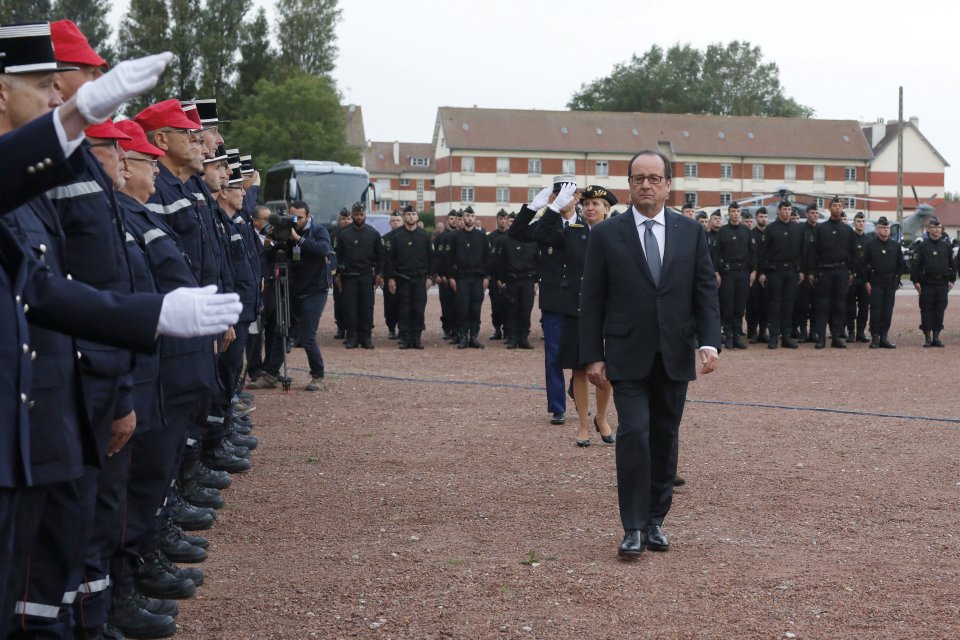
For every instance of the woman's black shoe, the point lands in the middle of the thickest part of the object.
(610, 439)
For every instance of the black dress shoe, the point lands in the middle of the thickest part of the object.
(656, 540)
(497, 335)
(133, 620)
(838, 343)
(678, 481)
(558, 417)
(153, 580)
(632, 545)
(339, 335)
(789, 343)
(610, 439)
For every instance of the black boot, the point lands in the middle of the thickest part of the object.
(366, 342)
(159, 606)
(875, 341)
(762, 335)
(391, 334)
(524, 342)
(838, 343)
(220, 459)
(415, 342)
(497, 334)
(927, 339)
(511, 342)
(207, 477)
(862, 336)
(404, 341)
(190, 517)
(936, 340)
(132, 619)
(176, 548)
(238, 439)
(739, 342)
(886, 344)
(850, 336)
(153, 580)
(728, 342)
(340, 334)
(473, 343)
(462, 340)
(191, 491)
(772, 340)
(351, 342)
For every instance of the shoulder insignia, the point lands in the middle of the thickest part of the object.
(549, 251)
(573, 225)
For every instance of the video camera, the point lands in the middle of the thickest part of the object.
(281, 223)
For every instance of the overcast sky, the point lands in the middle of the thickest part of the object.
(401, 60)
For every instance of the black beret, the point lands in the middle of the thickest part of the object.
(836, 200)
(409, 209)
(761, 210)
(452, 214)
(469, 209)
(502, 213)
(702, 215)
(934, 221)
(512, 215)
(356, 207)
(715, 212)
(395, 213)
(457, 214)
(883, 222)
(344, 213)
(812, 206)
(747, 215)
(784, 203)
(593, 191)
(733, 205)
(859, 216)
(687, 205)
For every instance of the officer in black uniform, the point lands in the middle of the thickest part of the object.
(514, 267)
(409, 265)
(391, 307)
(467, 259)
(780, 263)
(498, 302)
(805, 303)
(448, 302)
(736, 269)
(757, 299)
(714, 222)
(343, 220)
(881, 266)
(829, 266)
(933, 273)
(359, 271)
(858, 298)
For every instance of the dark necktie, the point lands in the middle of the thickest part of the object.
(653, 251)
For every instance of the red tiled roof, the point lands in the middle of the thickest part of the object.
(949, 213)
(378, 157)
(602, 131)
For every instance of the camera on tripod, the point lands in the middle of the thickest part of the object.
(281, 224)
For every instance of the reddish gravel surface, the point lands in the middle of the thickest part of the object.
(409, 499)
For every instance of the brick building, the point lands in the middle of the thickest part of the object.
(405, 173)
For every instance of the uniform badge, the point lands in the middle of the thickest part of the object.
(883, 251)
(355, 241)
(834, 233)
(549, 251)
(410, 242)
(518, 248)
(934, 253)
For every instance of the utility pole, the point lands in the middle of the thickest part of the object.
(900, 161)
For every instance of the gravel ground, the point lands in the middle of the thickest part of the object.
(425, 495)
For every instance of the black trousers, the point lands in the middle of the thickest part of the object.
(756, 308)
(358, 303)
(804, 307)
(469, 303)
(448, 308)
(781, 294)
(498, 307)
(391, 309)
(882, 299)
(254, 353)
(412, 301)
(858, 306)
(8, 509)
(832, 287)
(933, 303)
(734, 288)
(229, 368)
(519, 298)
(338, 308)
(650, 411)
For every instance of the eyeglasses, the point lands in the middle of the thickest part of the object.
(113, 143)
(153, 163)
(653, 180)
(185, 132)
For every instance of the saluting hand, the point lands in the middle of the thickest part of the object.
(541, 199)
(565, 197)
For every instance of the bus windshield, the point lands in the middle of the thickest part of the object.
(327, 193)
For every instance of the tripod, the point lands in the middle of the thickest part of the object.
(281, 292)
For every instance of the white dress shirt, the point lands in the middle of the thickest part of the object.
(659, 229)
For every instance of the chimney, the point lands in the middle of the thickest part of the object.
(396, 152)
(915, 121)
(879, 131)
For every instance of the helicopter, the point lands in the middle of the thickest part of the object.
(914, 223)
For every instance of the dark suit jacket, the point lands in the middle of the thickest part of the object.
(625, 319)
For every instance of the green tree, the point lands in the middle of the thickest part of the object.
(723, 80)
(144, 31)
(299, 117)
(13, 11)
(184, 41)
(257, 61)
(220, 23)
(91, 17)
(307, 35)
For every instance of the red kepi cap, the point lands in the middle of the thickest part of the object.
(168, 113)
(70, 45)
(138, 139)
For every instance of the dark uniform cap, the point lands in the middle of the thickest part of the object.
(702, 215)
(207, 110)
(559, 181)
(457, 214)
(784, 203)
(934, 221)
(835, 200)
(469, 209)
(502, 213)
(747, 215)
(344, 213)
(409, 209)
(715, 212)
(733, 205)
(512, 215)
(761, 210)
(28, 48)
(246, 164)
(395, 213)
(812, 206)
(357, 207)
(859, 216)
(593, 191)
(452, 214)
(883, 222)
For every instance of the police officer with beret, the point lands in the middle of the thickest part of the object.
(757, 300)
(858, 297)
(514, 268)
(881, 267)
(933, 273)
(408, 266)
(343, 220)
(359, 271)
(736, 269)
(498, 303)
(448, 304)
(780, 267)
(467, 259)
(391, 309)
(832, 258)
(805, 303)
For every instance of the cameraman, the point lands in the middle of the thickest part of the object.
(310, 280)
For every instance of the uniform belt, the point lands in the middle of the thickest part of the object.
(411, 276)
(516, 277)
(783, 265)
(834, 265)
(738, 266)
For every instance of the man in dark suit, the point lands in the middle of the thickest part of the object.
(649, 290)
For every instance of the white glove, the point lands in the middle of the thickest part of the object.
(188, 312)
(97, 100)
(565, 196)
(541, 199)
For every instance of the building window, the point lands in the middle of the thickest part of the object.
(758, 172)
(466, 194)
(503, 166)
(603, 168)
(789, 172)
(430, 184)
(819, 173)
(402, 204)
(818, 202)
(385, 205)
(690, 197)
(503, 195)
(690, 170)
(569, 168)
(533, 166)
(850, 174)
(725, 198)
(466, 165)
(532, 193)
(726, 171)
(404, 182)
(849, 203)
(419, 161)
(420, 195)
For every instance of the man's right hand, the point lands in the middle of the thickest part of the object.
(540, 200)
(392, 285)
(916, 285)
(763, 279)
(338, 282)
(453, 284)
(597, 374)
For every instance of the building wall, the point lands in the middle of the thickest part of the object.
(924, 171)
